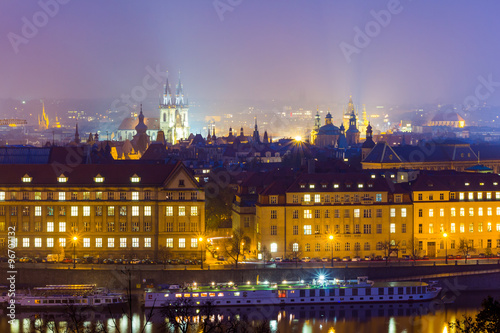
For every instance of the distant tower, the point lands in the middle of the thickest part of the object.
(317, 125)
(174, 120)
(43, 120)
(256, 135)
(77, 135)
(266, 140)
(363, 122)
(352, 133)
(347, 114)
(368, 145)
(141, 139)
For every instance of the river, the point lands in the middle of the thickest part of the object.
(431, 317)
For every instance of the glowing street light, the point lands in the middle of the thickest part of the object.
(445, 235)
(201, 250)
(298, 138)
(74, 251)
(331, 238)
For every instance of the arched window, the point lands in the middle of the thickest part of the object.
(164, 116)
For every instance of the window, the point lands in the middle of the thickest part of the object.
(274, 214)
(74, 196)
(307, 197)
(431, 228)
(317, 214)
(379, 228)
(26, 242)
(295, 229)
(356, 213)
(50, 242)
(441, 196)
(135, 210)
(111, 242)
(420, 213)
(327, 198)
(147, 210)
(480, 196)
(461, 196)
(2, 196)
(273, 199)
(403, 212)
(452, 228)
(194, 242)
(38, 210)
(471, 211)
(13, 211)
(317, 229)
(274, 230)
(123, 226)
(86, 210)
(392, 228)
(26, 211)
(327, 214)
(135, 179)
(194, 210)
(111, 226)
(393, 212)
(86, 226)
(453, 212)
(307, 214)
(123, 196)
(420, 228)
(135, 242)
(347, 246)
(379, 212)
(378, 197)
(38, 195)
(147, 242)
(441, 212)
(462, 211)
(169, 243)
(307, 230)
(135, 196)
(295, 247)
(62, 179)
(367, 228)
(317, 247)
(74, 210)
(397, 198)
(123, 210)
(169, 211)
(420, 196)
(431, 212)
(295, 198)
(123, 242)
(182, 226)
(62, 242)
(38, 242)
(135, 226)
(346, 213)
(357, 246)
(182, 243)
(62, 226)
(182, 211)
(471, 227)
(317, 198)
(98, 226)
(462, 227)
(431, 196)
(403, 228)
(347, 229)
(274, 247)
(181, 182)
(169, 227)
(111, 196)
(111, 210)
(489, 211)
(86, 242)
(488, 195)
(336, 213)
(98, 210)
(471, 195)
(480, 227)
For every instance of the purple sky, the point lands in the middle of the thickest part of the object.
(288, 50)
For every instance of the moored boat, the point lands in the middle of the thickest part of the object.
(319, 291)
(82, 295)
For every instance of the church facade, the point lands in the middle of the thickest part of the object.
(174, 116)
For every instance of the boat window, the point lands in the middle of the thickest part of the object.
(302, 293)
(380, 291)
(187, 295)
(322, 292)
(341, 292)
(408, 290)
(332, 292)
(312, 293)
(178, 295)
(368, 291)
(58, 301)
(400, 290)
(390, 291)
(196, 295)
(354, 291)
(212, 294)
(97, 301)
(115, 300)
(413, 290)
(51, 301)
(37, 301)
(108, 300)
(237, 293)
(203, 294)
(220, 294)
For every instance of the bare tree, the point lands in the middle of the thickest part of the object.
(266, 254)
(466, 246)
(164, 255)
(413, 248)
(390, 247)
(234, 246)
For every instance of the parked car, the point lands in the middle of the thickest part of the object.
(67, 261)
(325, 259)
(337, 259)
(481, 255)
(316, 259)
(135, 261)
(458, 256)
(356, 258)
(278, 259)
(346, 258)
(305, 259)
(368, 258)
(406, 257)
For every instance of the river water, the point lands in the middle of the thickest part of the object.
(431, 317)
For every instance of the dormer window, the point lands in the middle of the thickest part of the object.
(360, 185)
(135, 179)
(466, 184)
(311, 185)
(181, 182)
(27, 178)
(482, 184)
(335, 185)
(62, 178)
(302, 186)
(373, 176)
(99, 179)
(392, 176)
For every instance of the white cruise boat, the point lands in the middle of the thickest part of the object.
(81, 295)
(318, 291)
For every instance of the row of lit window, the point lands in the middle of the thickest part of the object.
(337, 198)
(461, 196)
(85, 242)
(366, 229)
(452, 230)
(453, 212)
(336, 185)
(62, 196)
(86, 226)
(367, 213)
(63, 179)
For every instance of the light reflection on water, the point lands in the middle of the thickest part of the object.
(431, 317)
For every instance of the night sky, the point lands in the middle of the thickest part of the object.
(287, 50)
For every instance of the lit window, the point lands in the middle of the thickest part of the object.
(403, 212)
(311, 186)
(38, 242)
(431, 212)
(471, 211)
(98, 242)
(307, 197)
(317, 198)
(471, 227)
(169, 211)
(194, 210)
(86, 242)
(147, 242)
(393, 228)
(182, 243)
(453, 213)
(123, 242)
(462, 227)
(38, 210)
(378, 197)
(479, 195)
(62, 179)
(135, 195)
(62, 196)
(431, 228)
(147, 210)
(26, 242)
(62, 226)
(489, 211)
(50, 226)
(452, 228)
(335, 185)
(471, 196)
(86, 211)
(2, 196)
(50, 242)
(135, 210)
(462, 211)
(488, 195)
(194, 242)
(135, 179)
(135, 242)
(393, 212)
(182, 211)
(62, 242)
(74, 210)
(99, 179)
(169, 243)
(307, 214)
(27, 179)
(111, 242)
(307, 230)
(461, 196)
(480, 211)
(356, 213)
(274, 247)
(441, 212)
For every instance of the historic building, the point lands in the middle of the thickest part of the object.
(114, 210)
(174, 117)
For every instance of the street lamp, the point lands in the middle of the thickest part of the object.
(445, 235)
(201, 250)
(74, 251)
(331, 238)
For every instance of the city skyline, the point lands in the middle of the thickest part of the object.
(379, 52)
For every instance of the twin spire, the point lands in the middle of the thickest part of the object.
(179, 94)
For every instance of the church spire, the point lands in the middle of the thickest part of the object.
(179, 93)
(77, 135)
(167, 95)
